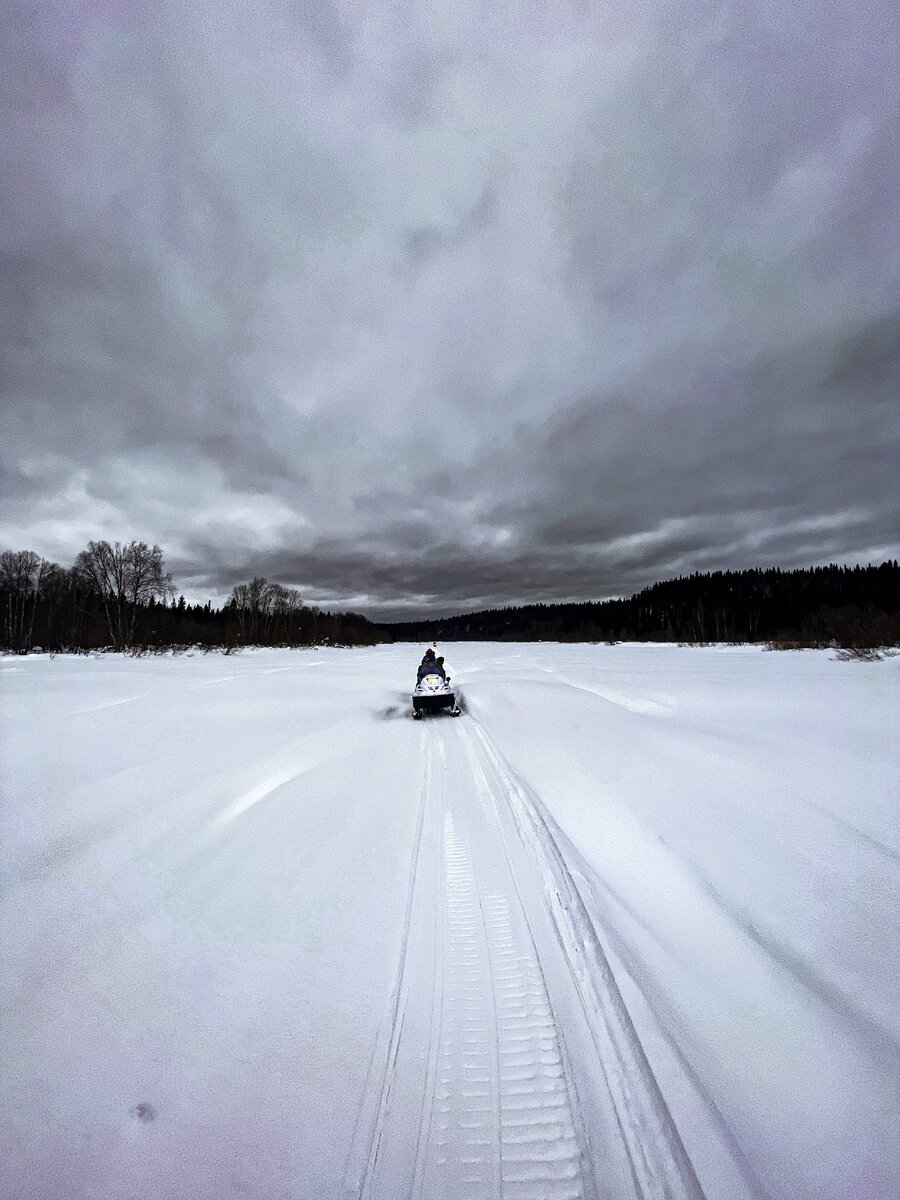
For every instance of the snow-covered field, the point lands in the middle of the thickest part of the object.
(627, 928)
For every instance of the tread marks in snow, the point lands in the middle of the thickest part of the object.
(659, 1164)
(505, 1128)
(471, 1094)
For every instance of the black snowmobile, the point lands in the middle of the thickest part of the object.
(433, 692)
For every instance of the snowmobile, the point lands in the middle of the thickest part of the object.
(432, 694)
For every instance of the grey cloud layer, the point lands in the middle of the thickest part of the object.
(452, 309)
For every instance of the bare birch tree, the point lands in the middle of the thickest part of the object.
(260, 605)
(125, 577)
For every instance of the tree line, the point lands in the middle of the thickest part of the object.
(120, 596)
(852, 607)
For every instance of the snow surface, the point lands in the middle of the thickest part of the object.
(627, 928)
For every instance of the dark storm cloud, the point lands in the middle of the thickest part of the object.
(451, 308)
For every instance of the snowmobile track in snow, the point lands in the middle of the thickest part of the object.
(507, 1065)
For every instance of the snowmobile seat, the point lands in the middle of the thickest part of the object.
(432, 667)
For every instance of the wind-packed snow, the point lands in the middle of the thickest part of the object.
(626, 928)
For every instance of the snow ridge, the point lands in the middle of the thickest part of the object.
(471, 1071)
(507, 1058)
(658, 1162)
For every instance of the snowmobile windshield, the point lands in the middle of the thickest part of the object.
(432, 667)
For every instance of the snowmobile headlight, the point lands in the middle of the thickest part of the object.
(432, 681)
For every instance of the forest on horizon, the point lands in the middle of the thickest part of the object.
(833, 605)
(120, 596)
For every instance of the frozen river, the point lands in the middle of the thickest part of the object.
(625, 929)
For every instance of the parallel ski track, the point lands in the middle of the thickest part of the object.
(371, 1119)
(473, 1093)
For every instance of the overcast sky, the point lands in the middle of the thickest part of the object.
(424, 306)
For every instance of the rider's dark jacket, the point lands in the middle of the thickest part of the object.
(430, 666)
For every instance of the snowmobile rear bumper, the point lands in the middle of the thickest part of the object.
(433, 703)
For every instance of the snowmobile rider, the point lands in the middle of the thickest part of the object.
(431, 666)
